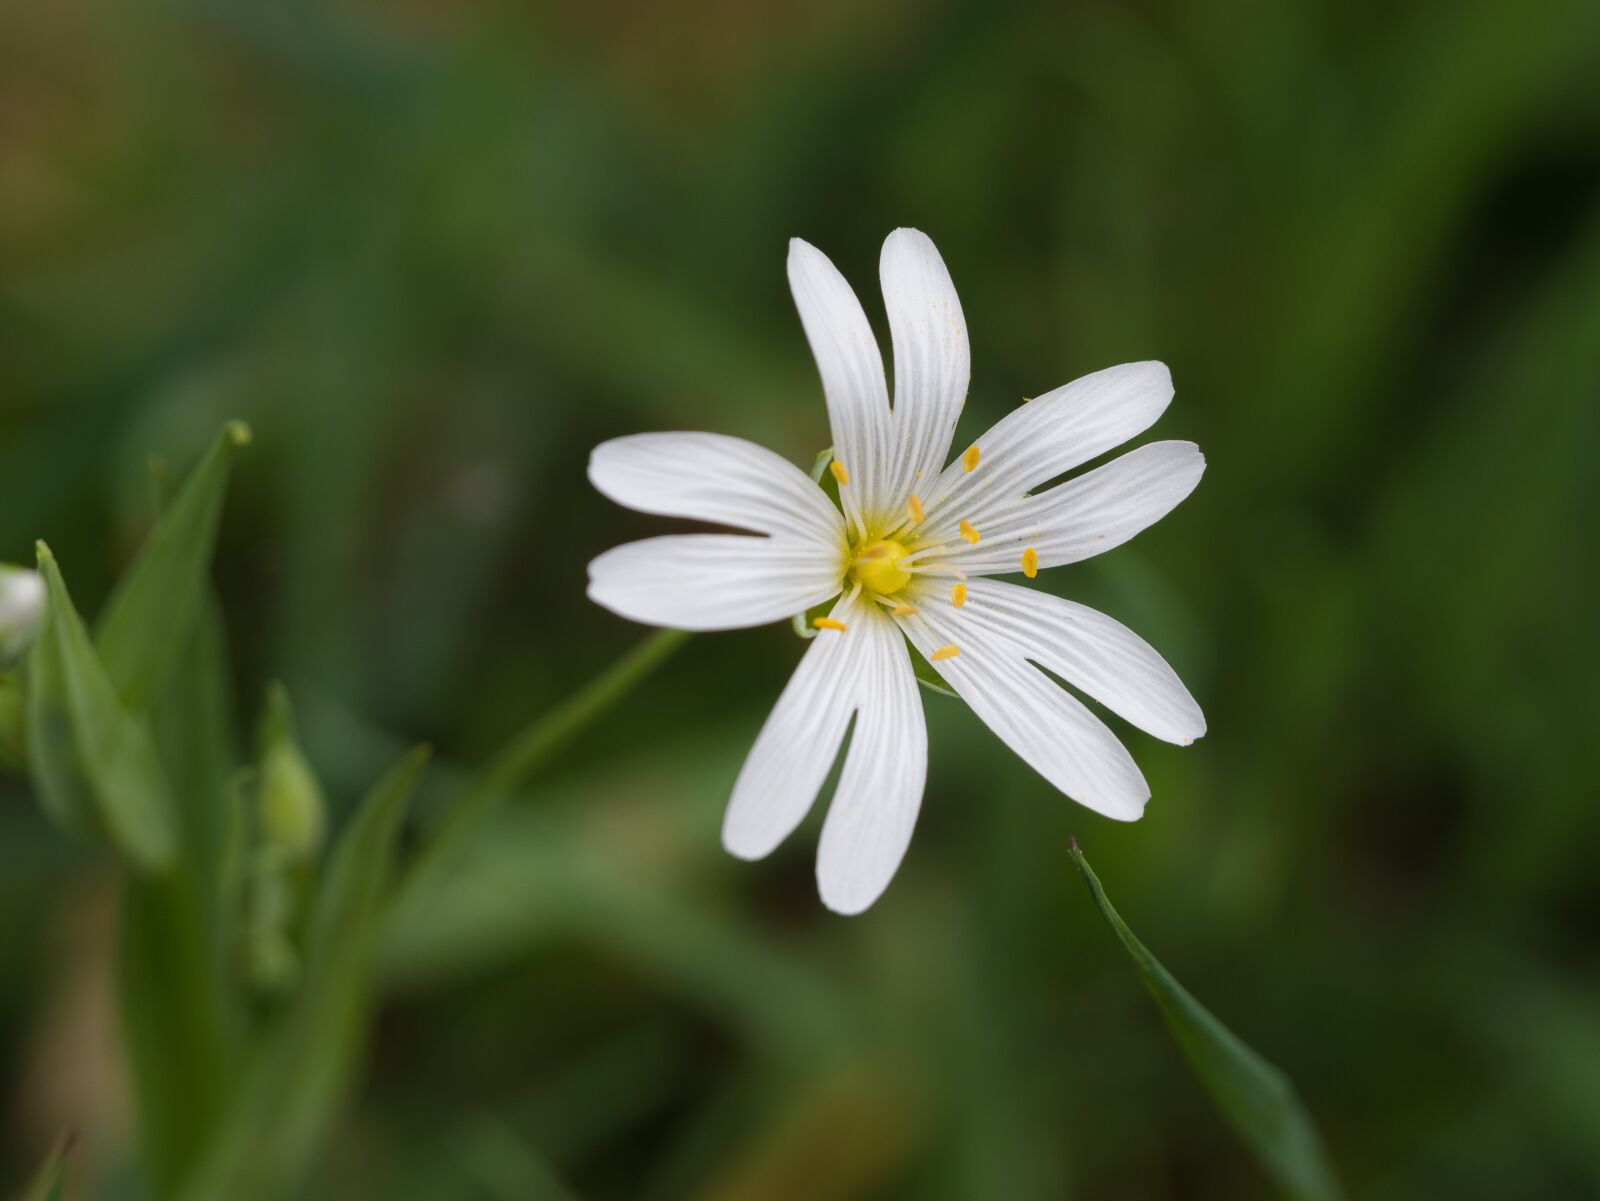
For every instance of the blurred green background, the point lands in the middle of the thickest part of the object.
(435, 250)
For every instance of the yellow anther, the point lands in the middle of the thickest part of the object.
(969, 461)
(914, 507)
(967, 532)
(840, 472)
(904, 610)
(827, 623)
(877, 567)
(1030, 562)
(1027, 400)
(958, 595)
(945, 652)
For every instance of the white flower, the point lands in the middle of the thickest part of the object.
(908, 559)
(21, 611)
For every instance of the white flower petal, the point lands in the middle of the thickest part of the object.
(712, 477)
(851, 366)
(1037, 718)
(715, 581)
(875, 806)
(932, 360)
(1085, 516)
(1092, 652)
(800, 740)
(1048, 437)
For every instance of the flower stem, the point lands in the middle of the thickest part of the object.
(535, 746)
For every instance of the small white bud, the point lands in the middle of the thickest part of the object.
(22, 600)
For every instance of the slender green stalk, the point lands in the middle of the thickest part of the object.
(531, 749)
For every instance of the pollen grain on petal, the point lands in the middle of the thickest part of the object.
(945, 652)
(840, 471)
(968, 532)
(958, 595)
(1030, 562)
(969, 461)
(904, 611)
(914, 508)
(827, 623)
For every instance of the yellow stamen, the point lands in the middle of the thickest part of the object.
(1030, 562)
(904, 610)
(945, 652)
(969, 461)
(967, 532)
(914, 507)
(877, 567)
(827, 623)
(840, 472)
(1027, 400)
(958, 595)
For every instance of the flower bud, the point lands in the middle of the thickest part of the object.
(293, 812)
(21, 611)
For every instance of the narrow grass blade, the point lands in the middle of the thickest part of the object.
(114, 752)
(158, 601)
(1257, 1099)
(299, 1079)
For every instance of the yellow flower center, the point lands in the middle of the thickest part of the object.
(877, 567)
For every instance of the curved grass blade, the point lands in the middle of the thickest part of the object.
(158, 601)
(1257, 1099)
(300, 1077)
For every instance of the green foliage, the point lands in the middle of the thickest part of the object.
(96, 761)
(1257, 1099)
(301, 1072)
(434, 253)
(158, 602)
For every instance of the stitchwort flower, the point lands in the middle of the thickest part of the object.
(908, 555)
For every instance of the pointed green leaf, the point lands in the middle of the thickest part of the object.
(155, 607)
(1257, 1099)
(81, 720)
(298, 1082)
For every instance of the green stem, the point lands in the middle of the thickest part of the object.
(535, 746)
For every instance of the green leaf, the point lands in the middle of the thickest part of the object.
(295, 1086)
(1257, 1099)
(158, 601)
(182, 1022)
(86, 746)
(50, 1184)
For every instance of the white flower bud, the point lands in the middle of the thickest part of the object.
(22, 600)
